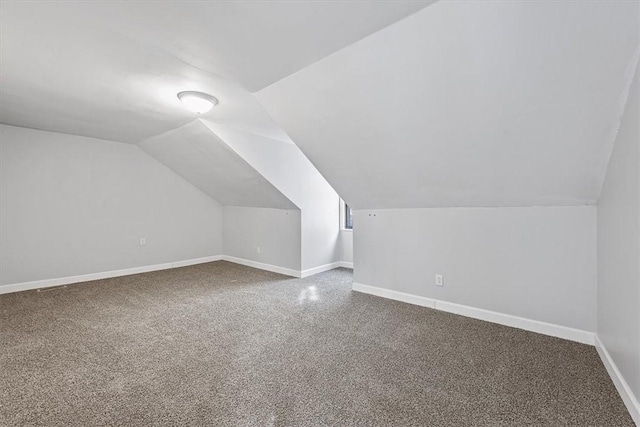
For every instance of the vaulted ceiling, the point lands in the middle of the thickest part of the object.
(112, 69)
(468, 104)
(199, 155)
(398, 104)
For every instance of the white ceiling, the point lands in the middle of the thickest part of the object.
(468, 104)
(201, 157)
(112, 69)
(458, 104)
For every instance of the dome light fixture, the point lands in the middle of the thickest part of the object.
(197, 102)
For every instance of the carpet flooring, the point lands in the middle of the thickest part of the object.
(220, 344)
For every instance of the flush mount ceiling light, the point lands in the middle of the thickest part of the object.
(197, 102)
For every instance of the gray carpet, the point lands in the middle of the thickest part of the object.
(220, 344)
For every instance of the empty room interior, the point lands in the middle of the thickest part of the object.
(320, 213)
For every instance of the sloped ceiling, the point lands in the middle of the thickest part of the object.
(458, 104)
(283, 164)
(201, 157)
(112, 69)
(468, 104)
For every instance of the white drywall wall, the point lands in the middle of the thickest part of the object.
(538, 263)
(275, 231)
(73, 205)
(345, 246)
(619, 247)
(485, 103)
(286, 167)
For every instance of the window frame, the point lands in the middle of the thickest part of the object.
(344, 215)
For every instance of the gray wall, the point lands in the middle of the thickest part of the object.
(345, 245)
(275, 231)
(73, 205)
(287, 168)
(538, 263)
(618, 248)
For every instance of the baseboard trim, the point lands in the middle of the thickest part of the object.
(345, 264)
(262, 266)
(544, 328)
(320, 269)
(47, 283)
(394, 295)
(287, 271)
(629, 399)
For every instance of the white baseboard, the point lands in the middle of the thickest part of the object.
(544, 328)
(194, 261)
(320, 269)
(262, 266)
(326, 267)
(394, 295)
(286, 271)
(568, 333)
(345, 264)
(47, 283)
(629, 399)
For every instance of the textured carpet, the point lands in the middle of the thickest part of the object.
(220, 344)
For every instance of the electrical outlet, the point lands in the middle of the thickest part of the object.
(258, 249)
(439, 280)
(143, 241)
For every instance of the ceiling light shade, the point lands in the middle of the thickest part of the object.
(197, 102)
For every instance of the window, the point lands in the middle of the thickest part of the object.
(346, 216)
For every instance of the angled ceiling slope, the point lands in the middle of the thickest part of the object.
(283, 165)
(111, 70)
(202, 158)
(468, 104)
